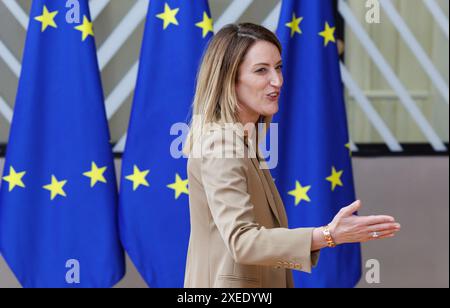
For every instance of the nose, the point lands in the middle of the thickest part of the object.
(276, 79)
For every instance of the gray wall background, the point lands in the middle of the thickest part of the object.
(415, 191)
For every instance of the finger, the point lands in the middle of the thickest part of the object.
(378, 235)
(388, 235)
(384, 227)
(376, 219)
(350, 209)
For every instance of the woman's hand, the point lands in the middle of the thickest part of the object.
(348, 228)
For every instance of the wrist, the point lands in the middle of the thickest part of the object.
(318, 241)
(328, 233)
(334, 234)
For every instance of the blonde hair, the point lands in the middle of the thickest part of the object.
(215, 100)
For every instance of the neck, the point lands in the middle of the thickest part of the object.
(247, 116)
(249, 119)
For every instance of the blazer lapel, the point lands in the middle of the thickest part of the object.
(278, 200)
(267, 189)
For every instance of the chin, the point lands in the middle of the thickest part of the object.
(271, 111)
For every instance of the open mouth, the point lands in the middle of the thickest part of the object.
(274, 95)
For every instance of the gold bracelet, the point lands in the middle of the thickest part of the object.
(328, 237)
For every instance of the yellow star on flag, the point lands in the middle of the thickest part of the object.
(294, 25)
(328, 34)
(300, 193)
(14, 179)
(348, 146)
(335, 178)
(138, 178)
(180, 186)
(85, 28)
(56, 188)
(206, 24)
(47, 19)
(96, 174)
(169, 16)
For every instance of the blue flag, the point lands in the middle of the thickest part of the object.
(154, 203)
(314, 174)
(58, 199)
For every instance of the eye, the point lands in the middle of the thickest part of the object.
(261, 70)
(280, 67)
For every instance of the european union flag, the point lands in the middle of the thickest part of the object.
(58, 199)
(314, 174)
(154, 205)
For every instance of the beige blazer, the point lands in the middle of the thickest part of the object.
(239, 236)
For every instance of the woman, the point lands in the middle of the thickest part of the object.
(239, 230)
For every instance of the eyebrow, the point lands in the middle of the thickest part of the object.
(266, 64)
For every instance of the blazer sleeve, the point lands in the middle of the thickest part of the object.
(225, 184)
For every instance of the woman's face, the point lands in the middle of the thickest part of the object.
(259, 82)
